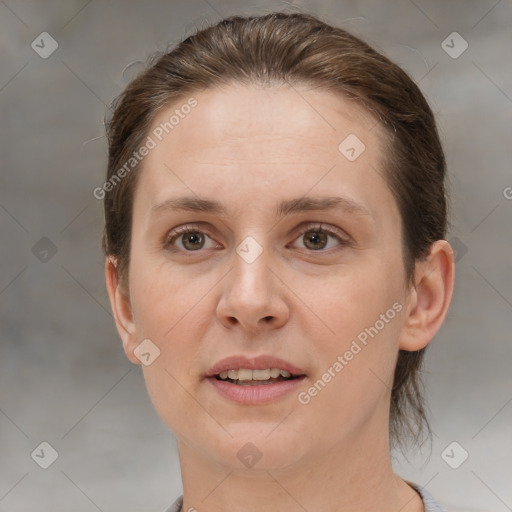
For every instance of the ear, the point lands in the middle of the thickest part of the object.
(121, 307)
(430, 298)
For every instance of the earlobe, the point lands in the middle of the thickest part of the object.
(121, 308)
(430, 299)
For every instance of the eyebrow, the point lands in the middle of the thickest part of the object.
(284, 208)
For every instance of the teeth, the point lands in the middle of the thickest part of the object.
(246, 374)
(259, 374)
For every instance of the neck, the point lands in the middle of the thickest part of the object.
(348, 477)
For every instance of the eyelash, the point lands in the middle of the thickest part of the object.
(171, 237)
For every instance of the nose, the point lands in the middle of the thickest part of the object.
(253, 297)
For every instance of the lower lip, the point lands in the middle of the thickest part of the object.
(255, 394)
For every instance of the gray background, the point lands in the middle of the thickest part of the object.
(64, 378)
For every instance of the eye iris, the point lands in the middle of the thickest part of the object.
(195, 238)
(318, 235)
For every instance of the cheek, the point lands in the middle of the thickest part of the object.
(165, 299)
(169, 309)
(355, 366)
(351, 301)
(362, 311)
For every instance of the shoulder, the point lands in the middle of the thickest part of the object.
(431, 505)
(429, 502)
(176, 506)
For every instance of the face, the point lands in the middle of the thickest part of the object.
(300, 261)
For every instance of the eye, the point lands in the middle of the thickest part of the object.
(191, 238)
(316, 238)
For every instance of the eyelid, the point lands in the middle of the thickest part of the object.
(320, 226)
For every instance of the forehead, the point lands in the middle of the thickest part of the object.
(261, 142)
(280, 116)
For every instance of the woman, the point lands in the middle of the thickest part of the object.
(275, 216)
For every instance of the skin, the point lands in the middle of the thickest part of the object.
(250, 147)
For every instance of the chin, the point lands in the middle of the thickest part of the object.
(250, 449)
(258, 449)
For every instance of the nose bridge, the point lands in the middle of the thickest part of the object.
(251, 272)
(251, 296)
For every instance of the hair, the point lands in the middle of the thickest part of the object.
(297, 48)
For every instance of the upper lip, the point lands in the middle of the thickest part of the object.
(253, 363)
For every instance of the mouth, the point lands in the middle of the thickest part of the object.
(254, 380)
(248, 377)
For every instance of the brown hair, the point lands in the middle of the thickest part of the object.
(297, 48)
